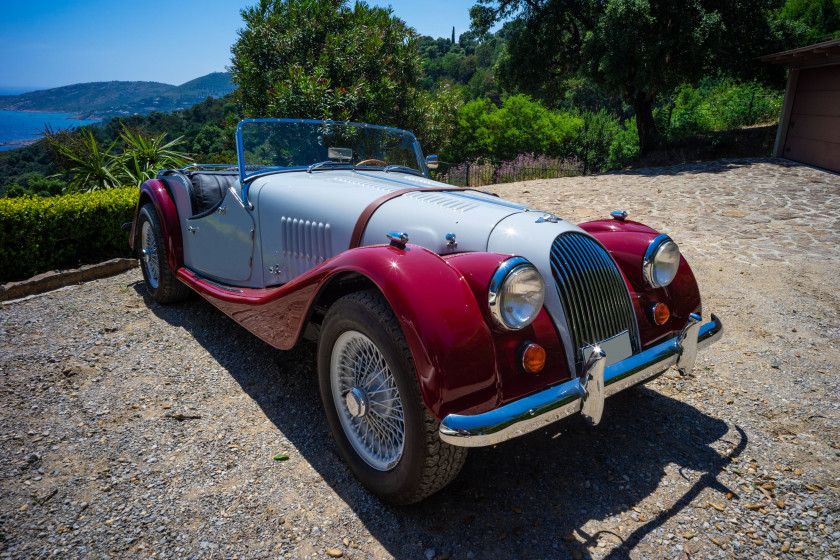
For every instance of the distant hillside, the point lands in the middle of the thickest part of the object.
(107, 99)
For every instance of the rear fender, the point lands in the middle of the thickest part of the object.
(156, 192)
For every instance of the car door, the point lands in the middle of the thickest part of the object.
(221, 241)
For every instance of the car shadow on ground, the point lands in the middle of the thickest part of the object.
(531, 497)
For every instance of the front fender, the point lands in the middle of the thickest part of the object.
(155, 191)
(449, 339)
(627, 242)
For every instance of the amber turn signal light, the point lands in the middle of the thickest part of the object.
(533, 358)
(660, 313)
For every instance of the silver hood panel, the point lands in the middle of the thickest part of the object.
(306, 218)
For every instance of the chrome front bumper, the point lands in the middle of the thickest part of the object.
(585, 394)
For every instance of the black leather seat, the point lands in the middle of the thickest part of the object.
(208, 189)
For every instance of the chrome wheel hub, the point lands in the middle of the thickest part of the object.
(357, 403)
(149, 254)
(367, 400)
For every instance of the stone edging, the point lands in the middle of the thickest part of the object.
(60, 278)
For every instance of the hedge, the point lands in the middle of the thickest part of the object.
(40, 234)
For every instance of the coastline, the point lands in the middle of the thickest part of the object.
(18, 143)
(19, 129)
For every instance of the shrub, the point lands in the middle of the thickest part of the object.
(525, 167)
(40, 234)
(592, 144)
(625, 145)
(716, 105)
(91, 168)
(519, 126)
(35, 184)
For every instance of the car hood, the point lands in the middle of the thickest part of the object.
(325, 206)
(306, 218)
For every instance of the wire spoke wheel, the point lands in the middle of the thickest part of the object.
(163, 285)
(149, 254)
(374, 405)
(367, 400)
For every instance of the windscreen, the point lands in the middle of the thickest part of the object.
(278, 144)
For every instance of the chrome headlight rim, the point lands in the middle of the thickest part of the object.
(659, 243)
(509, 270)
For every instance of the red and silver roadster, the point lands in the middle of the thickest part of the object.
(445, 317)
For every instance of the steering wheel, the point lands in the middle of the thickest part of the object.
(370, 161)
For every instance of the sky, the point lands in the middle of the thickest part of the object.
(51, 43)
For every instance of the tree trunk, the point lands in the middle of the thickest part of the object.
(643, 106)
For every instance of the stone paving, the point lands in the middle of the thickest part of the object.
(745, 210)
(133, 430)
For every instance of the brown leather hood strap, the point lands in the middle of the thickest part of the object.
(367, 213)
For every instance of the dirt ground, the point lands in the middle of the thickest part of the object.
(128, 429)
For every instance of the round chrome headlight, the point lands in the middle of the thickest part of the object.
(661, 261)
(516, 294)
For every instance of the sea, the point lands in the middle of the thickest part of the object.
(18, 128)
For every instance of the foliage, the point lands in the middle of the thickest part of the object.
(633, 48)
(716, 105)
(624, 146)
(466, 65)
(592, 144)
(214, 114)
(40, 234)
(525, 167)
(519, 126)
(143, 156)
(92, 168)
(17, 164)
(355, 63)
(34, 184)
(816, 20)
(322, 59)
(79, 155)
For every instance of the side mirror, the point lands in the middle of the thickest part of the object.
(432, 162)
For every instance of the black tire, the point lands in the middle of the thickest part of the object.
(161, 282)
(426, 464)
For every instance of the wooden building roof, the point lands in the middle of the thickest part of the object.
(812, 55)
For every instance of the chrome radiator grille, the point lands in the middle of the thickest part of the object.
(592, 292)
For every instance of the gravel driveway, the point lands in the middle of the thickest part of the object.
(128, 429)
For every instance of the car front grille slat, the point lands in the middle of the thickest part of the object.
(591, 290)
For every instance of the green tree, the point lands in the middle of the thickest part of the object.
(519, 126)
(324, 59)
(210, 141)
(632, 48)
(820, 19)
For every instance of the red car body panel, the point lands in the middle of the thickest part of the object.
(155, 191)
(464, 363)
(627, 242)
(461, 363)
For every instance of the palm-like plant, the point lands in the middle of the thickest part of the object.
(91, 168)
(79, 154)
(144, 156)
